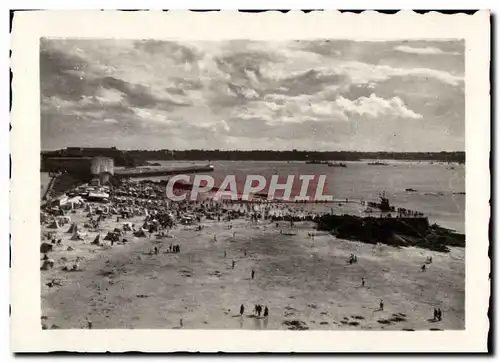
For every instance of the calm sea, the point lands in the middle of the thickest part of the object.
(439, 187)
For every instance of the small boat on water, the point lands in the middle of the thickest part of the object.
(316, 162)
(378, 163)
(335, 164)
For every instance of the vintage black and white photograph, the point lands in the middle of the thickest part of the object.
(251, 184)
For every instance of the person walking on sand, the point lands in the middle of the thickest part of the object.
(233, 263)
(242, 309)
(266, 311)
(245, 252)
(435, 314)
(381, 305)
(89, 323)
(253, 273)
(181, 323)
(439, 314)
(363, 281)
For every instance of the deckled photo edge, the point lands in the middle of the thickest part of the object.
(29, 27)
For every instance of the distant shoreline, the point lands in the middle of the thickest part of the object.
(141, 157)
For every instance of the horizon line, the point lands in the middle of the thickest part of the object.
(242, 150)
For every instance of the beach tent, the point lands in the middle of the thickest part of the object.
(54, 225)
(76, 202)
(96, 240)
(72, 229)
(76, 236)
(112, 236)
(140, 233)
(47, 264)
(45, 248)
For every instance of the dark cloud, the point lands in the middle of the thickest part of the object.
(181, 53)
(325, 47)
(308, 82)
(355, 91)
(137, 95)
(71, 77)
(182, 86)
(382, 53)
(59, 75)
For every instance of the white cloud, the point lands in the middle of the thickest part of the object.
(426, 50)
(150, 116)
(363, 73)
(374, 107)
(224, 125)
(106, 96)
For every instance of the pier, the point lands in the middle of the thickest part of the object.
(164, 171)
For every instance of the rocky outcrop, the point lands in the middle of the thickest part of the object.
(411, 231)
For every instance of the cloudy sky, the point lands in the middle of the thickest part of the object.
(310, 95)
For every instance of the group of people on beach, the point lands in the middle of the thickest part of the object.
(438, 315)
(171, 249)
(258, 308)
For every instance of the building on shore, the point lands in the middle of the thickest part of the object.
(84, 168)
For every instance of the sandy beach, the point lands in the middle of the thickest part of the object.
(306, 282)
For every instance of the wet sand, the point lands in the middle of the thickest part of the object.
(304, 281)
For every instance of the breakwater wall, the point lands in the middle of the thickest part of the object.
(164, 171)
